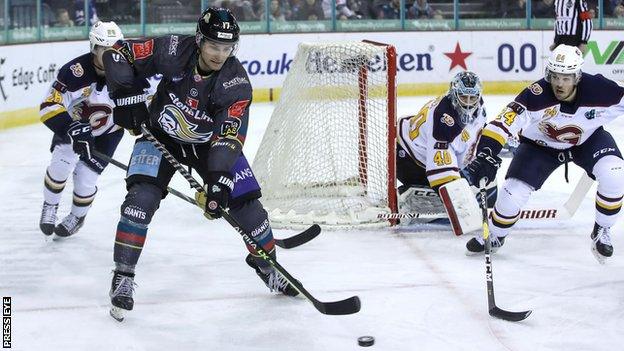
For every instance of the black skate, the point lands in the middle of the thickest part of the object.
(122, 288)
(48, 218)
(601, 243)
(273, 280)
(476, 245)
(69, 226)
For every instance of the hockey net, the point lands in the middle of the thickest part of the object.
(327, 155)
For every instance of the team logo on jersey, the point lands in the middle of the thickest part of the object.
(97, 114)
(86, 92)
(448, 120)
(192, 102)
(176, 125)
(570, 133)
(591, 114)
(230, 127)
(197, 78)
(194, 92)
(238, 108)
(77, 70)
(536, 89)
(550, 112)
(143, 50)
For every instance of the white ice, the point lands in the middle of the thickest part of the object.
(418, 289)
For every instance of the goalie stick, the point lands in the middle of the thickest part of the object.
(347, 306)
(489, 275)
(563, 211)
(286, 243)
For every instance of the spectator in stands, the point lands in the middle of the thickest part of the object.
(310, 10)
(420, 9)
(361, 8)
(618, 11)
(275, 11)
(389, 10)
(544, 9)
(242, 10)
(343, 11)
(79, 12)
(612, 5)
(513, 9)
(62, 18)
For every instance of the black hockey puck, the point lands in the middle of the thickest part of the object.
(366, 341)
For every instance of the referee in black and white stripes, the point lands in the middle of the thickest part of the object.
(573, 24)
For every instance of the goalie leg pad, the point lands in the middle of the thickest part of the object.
(461, 206)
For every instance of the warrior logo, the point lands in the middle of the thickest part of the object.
(570, 134)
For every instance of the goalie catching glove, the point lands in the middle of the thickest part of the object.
(216, 194)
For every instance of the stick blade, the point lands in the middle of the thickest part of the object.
(299, 239)
(347, 306)
(508, 315)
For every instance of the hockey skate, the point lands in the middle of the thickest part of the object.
(271, 278)
(122, 288)
(476, 245)
(601, 243)
(69, 226)
(48, 218)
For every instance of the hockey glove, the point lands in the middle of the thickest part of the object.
(216, 195)
(130, 110)
(484, 166)
(81, 138)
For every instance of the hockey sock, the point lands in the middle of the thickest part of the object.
(81, 204)
(129, 242)
(52, 189)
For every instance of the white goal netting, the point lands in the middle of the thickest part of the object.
(327, 155)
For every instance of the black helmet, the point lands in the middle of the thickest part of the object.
(217, 24)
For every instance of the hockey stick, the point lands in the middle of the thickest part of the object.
(286, 243)
(564, 211)
(489, 275)
(347, 306)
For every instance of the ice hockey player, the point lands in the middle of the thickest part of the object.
(436, 143)
(561, 119)
(79, 112)
(200, 113)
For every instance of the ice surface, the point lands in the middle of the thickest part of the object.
(418, 289)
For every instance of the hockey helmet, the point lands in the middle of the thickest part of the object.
(565, 59)
(465, 93)
(104, 34)
(218, 25)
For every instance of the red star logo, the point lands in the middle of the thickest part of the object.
(458, 58)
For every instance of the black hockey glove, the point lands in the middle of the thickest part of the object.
(216, 195)
(484, 166)
(130, 110)
(81, 138)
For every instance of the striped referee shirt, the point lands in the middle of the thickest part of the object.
(573, 23)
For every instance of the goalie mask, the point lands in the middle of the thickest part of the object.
(104, 34)
(465, 94)
(218, 25)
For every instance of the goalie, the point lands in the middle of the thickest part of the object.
(433, 147)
